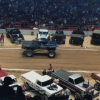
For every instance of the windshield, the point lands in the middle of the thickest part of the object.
(15, 32)
(75, 38)
(78, 32)
(96, 36)
(43, 33)
(79, 80)
(47, 82)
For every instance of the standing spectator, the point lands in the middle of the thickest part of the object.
(11, 23)
(50, 67)
(2, 39)
(19, 95)
(26, 24)
(36, 23)
(56, 81)
(93, 28)
(22, 24)
(68, 92)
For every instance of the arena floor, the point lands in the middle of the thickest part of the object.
(68, 57)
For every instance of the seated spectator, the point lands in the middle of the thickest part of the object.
(68, 93)
(6, 92)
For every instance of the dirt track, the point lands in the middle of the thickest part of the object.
(65, 59)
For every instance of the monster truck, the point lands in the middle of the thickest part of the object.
(43, 84)
(59, 37)
(41, 44)
(95, 38)
(77, 37)
(43, 33)
(75, 82)
(14, 35)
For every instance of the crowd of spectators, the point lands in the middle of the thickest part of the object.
(54, 12)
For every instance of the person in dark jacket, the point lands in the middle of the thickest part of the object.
(19, 95)
(44, 72)
(6, 92)
(2, 39)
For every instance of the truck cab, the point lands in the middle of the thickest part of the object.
(77, 37)
(95, 38)
(43, 33)
(78, 81)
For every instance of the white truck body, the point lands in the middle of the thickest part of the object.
(38, 82)
(43, 33)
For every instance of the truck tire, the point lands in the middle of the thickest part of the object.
(69, 41)
(29, 53)
(51, 54)
(91, 42)
(77, 95)
(12, 40)
(7, 36)
(26, 86)
(97, 86)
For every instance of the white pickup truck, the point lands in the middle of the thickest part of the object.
(43, 33)
(43, 84)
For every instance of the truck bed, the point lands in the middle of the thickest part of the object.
(27, 42)
(61, 74)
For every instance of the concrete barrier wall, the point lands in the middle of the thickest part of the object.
(50, 31)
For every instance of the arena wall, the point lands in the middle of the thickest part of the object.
(50, 31)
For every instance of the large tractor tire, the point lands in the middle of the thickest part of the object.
(77, 95)
(29, 53)
(12, 40)
(97, 86)
(26, 86)
(51, 54)
(7, 36)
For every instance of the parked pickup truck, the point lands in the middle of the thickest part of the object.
(59, 37)
(77, 37)
(14, 35)
(41, 44)
(95, 38)
(43, 84)
(75, 82)
(43, 32)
